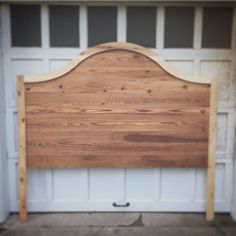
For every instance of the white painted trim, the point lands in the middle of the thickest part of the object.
(197, 34)
(45, 27)
(4, 205)
(233, 207)
(83, 25)
(121, 24)
(160, 21)
(121, 186)
(6, 27)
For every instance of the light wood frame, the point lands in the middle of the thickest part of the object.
(21, 80)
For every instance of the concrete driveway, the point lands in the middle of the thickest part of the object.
(120, 224)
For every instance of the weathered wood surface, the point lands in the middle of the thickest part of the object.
(22, 149)
(211, 153)
(117, 109)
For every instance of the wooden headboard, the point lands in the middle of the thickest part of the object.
(117, 105)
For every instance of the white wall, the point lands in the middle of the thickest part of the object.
(4, 206)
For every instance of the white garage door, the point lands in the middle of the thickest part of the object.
(198, 40)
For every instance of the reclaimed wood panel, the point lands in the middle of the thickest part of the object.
(117, 109)
(117, 105)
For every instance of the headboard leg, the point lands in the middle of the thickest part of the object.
(211, 152)
(210, 193)
(22, 149)
(22, 196)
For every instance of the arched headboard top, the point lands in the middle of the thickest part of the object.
(117, 46)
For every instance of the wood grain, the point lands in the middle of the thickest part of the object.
(116, 46)
(117, 109)
(211, 153)
(22, 149)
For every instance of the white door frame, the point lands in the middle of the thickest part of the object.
(4, 206)
(233, 207)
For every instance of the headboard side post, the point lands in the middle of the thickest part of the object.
(211, 152)
(22, 149)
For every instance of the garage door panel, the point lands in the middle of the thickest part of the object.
(51, 185)
(141, 185)
(177, 184)
(59, 201)
(103, 184)
(69, 185)
(37, 183)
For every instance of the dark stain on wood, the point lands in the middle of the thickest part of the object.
(138, 138)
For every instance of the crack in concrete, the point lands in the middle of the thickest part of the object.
(138, 222)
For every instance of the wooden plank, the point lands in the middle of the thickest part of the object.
(119, 131)
(68, 116)
(22, 149)
(115, 120)
(111, 150)
(72, 109)
(135, 100)
(126, 78)
(211, 155)
(118, 161)
(118, 45)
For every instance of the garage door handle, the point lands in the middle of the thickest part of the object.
(121, 205)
